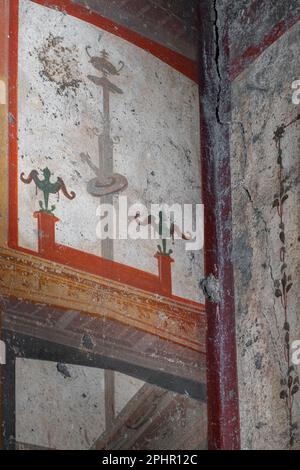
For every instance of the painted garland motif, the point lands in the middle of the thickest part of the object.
(289, 383)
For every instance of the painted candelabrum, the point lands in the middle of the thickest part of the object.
(106, 181)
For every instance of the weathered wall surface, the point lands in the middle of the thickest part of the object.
(62, 406)
(248, 59)
(265, 229)
(265, 311)
(172, 22)
(155, 126)
(252, 21)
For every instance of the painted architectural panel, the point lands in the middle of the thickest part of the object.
(95, 108)
(265, 178)
(105, 337)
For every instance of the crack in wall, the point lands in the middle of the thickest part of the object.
(248, 193)
(245, 153)
(217, 60)
(274, 340)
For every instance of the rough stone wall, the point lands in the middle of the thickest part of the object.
(262, 101)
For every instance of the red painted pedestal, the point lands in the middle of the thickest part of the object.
(161, 284)
(46, 231)
(165, 272)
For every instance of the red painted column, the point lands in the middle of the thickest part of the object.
(46, 231)
(13, 123)
(215, 101)
(165, 273)
(4, 30)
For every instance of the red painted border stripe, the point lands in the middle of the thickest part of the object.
(3, 38)
(222, 379)
(253, 52)
(13, 124)
(179, 62)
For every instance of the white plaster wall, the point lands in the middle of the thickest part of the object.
(64, 411)
(56, 411)
(155, 121)
(125, 389)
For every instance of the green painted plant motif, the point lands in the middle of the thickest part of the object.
(47, 188)
(166, 231)
(282, 286)
(162, 229)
